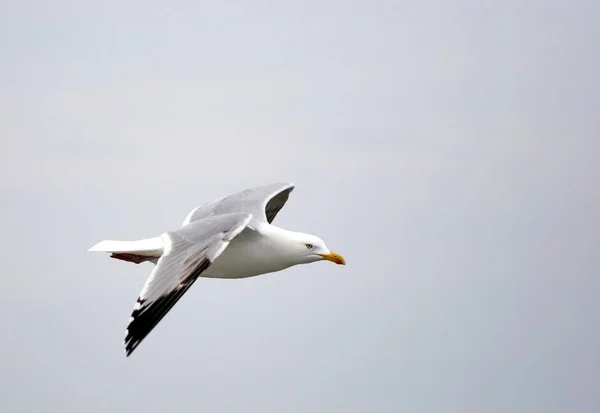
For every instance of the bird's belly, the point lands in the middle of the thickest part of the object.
(242, 260)
(232, 269)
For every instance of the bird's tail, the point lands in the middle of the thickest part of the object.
(149, 249)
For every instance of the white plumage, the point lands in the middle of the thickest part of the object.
(231, 237)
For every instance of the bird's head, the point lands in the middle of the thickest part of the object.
(309, 248)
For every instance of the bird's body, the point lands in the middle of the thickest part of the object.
(231, 237)
(252, 253)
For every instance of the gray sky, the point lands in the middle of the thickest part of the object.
(449, 150)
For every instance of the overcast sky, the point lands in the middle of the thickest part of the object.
(449, 150)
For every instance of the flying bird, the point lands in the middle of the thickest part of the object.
(231, 237)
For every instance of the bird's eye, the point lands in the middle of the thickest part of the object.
(309, 246)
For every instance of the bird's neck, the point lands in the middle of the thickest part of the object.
(279, 237)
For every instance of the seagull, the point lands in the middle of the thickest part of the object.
(231, 237)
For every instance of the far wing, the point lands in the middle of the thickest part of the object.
(187, 253)
(263, 202)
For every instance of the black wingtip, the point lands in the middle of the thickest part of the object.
(147, 314)
(130, 341)
(130, 346)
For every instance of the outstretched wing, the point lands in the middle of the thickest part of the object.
(263, 202)
(188, 252)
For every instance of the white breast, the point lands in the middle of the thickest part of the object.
(249, 254)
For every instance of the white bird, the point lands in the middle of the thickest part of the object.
(231, 237)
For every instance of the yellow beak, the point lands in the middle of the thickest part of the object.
(333, 257)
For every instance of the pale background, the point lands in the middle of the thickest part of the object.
(449, 150)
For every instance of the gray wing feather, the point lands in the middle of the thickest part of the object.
(188, 252)
(263, 202)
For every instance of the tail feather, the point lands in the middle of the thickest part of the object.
(149, 249)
